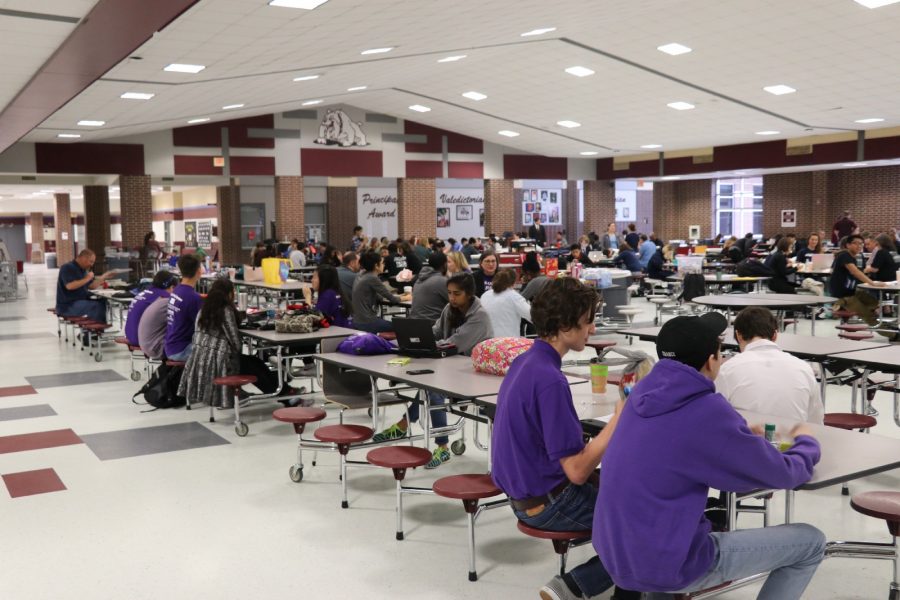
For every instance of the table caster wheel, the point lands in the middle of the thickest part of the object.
(135, 375)
(458, 447)
(296, 473)
(98, 357)
(242, 429)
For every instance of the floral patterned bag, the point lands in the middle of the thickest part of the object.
(495, 355)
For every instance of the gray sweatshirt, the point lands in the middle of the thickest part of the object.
(367, 289)
(534, 286)
(476, 328)
(429, 295)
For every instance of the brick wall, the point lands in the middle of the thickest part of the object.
(499, 206)
(340, 215)
(789, 191)
(228, 201)
(599, 205)
(37, 235)
(289, 215)
(416, 205)
(679, 204)
(136, 204)
(96, 221)
(65, 248)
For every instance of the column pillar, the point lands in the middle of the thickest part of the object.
(37, 237)
(570, 220)
(499, 206)
(823, 213)
(228, 200)
(340, 215)
(416, 203)
(599, 205)
(65, 235)
(289, 214)
(96, 222)
(136, 207)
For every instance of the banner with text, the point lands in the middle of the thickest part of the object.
(460, 212)
(376, 210)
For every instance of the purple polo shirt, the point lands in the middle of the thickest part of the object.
(535, 425)
(138, 306)
(181, 317)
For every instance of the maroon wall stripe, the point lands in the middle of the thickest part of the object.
(341, 162)
(424, 168)
(456, 142)
(188, 212)
(465, 170)
(240, 165)
(90, 158)
(529, 166)
(209, 135)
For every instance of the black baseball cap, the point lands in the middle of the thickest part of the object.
(691, 340)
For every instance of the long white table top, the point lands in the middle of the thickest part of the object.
(273, 337)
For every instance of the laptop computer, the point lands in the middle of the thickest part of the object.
(415, 338)
(820, 262)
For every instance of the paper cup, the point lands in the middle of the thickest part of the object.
(599, 374)
(407, 289)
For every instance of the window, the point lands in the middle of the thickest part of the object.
(739, 206)
(253, 222)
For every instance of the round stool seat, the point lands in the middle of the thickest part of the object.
(855, 335)
(466, 487)
(849, 421)
(399, 457)
(344, 434)
(77, 319)
(298, 414)
(852, 327)
(95, 326)
(881, 505)
(544, 534)
(843, 313)
(629, 310)
(660, 301)
(234, 380)
(600, 344)
(175, 363)
(388, 335)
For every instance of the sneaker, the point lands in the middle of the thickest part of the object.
(438, 457)
(391, 433)
(556, 589)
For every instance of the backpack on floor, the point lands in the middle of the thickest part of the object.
(161, 390)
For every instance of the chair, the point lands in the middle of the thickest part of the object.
(343, 436)
(399, 459)
(562, 540)
(299, 417)
(850, 421)
(232, 383)
(135, 352)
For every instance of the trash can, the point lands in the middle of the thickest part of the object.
(50, 260)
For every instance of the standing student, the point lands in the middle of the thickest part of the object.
(505, 306)
(632, 238)
(843, 227)
(488, 265)
(538, 233)
(610, 240)
(367, 290)
(184, 305)
(163, 284)
(73, 284)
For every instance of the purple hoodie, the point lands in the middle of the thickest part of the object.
(675, 439)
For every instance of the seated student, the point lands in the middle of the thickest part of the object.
(413, 263)
(646, 250)
(329, 302)
(577, 255)
(470, 248)
(296, 254)
(456, 263)
(430, 291)
(347, 274)
(184, 305)
(463, 323)
(72, 286)
(532, 276)
(882, 266)
(812, 246)
(163, 283)
(367, 289)
(538, 455)
(627, 259)
(488, 266)
(747, 380)
(706, 444)
(505, 306)
(845, 275)
(151, 332)
(656, 267)
(395, 262)
(777, 261)
(217, 351)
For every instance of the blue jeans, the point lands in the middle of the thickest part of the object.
(791, 553)
(438, 417)
(183, 355)
(376, 326)
(573, 510)
(92, 309)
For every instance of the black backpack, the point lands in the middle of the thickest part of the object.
(161, 390)
(751, 267)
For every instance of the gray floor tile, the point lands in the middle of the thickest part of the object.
(111, 445)
(74, 378)
(24, 336)
(12, 318)
(26, 412)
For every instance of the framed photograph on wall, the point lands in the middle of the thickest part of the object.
(526, 219)
(693, 232)
(534, 195)
(463, 212)
(190, 234)
(481, 217)
(554, 197)
(789, 217)
(534, 216)
(443, 217)
(529, 207)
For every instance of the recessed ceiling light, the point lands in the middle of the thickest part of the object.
(768, 132)
(541, 31)
(182, 68)
(474, 96)
(674, 48)
(419, 108)
(377, 50)
(871, 120)
(579, 71)
(671, 177)
(232, 106)
(589, 153)
(68, 135)
(357, 88)
(88, 123)
(304, 4)
(876, 3)
(779, 89)
(508, 133)
(200, 120)
(569, 124)
(680, 105)
(452, 58)
(306, 77)
(136, 96)
(311, 102)
(651, 146)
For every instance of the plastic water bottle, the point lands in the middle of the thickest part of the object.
(270, 311)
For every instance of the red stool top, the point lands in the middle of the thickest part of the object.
(122, 340)
(399, 457)
(850, 421)
(466, 487)
(855, 335)
(95, 326)
(852, 327)
(175, 363)
(545, 534)
(76, 319)
(599, 345)
(234, 380)
(388, 335)
(298, 414)
(843, 313)
(881, 505)
(614, 378)
(344, 434)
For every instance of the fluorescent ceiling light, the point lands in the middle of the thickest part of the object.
(651, 146)
(357, 88)
(304, 4)
(579, 71)
(680, 105)
(306, 77)
(674, 48)
(671, 177)
(876, 3)
(233, 106)
(452, 58)
(589, 153)
(508, 133)
(779, 89)
(69, 135)
(200, 120)
(311, 102)
(474, 96)
(136, 96)
(569, 124)
(182, 68)
(871, 120)
(377, 50)
(538, 31)
(768, 132)
(89, 123)
(419, 108)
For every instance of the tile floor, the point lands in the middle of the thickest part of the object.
(188, 510)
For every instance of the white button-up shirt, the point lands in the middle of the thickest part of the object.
(765, 379)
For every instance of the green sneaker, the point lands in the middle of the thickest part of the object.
(391, 433)
(438, 457)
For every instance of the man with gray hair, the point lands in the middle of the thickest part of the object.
(73, 285)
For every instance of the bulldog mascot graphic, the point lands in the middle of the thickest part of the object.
(337, 128)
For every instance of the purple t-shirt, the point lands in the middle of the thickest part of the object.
(329, 303)
(138, 306)
(535, 425)
(181, 317)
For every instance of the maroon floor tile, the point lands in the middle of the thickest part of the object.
(37, 441)
(29, 483)
(17, 390)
